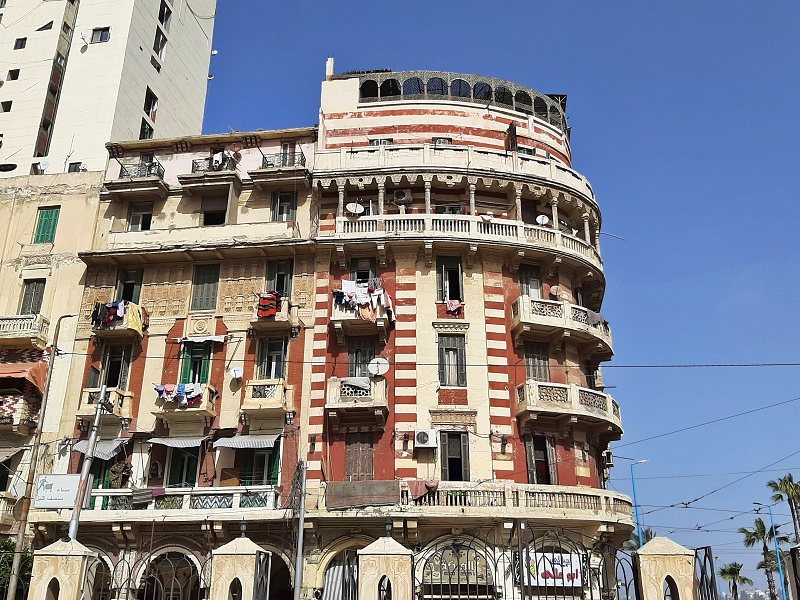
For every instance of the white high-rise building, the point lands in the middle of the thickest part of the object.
(79, 73)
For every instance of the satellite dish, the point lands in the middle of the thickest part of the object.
(354, 208)
(44, 165)
(542, 220)
(554, 291)
(236, 147)
(237, 156)
(378, 366)
(236, 372)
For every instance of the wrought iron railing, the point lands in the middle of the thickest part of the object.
(202, 165)
(142, 169)
(283, 160)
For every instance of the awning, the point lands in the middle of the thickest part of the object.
(247, 441)
(103, 449)
(199, 339)
(6, 453)
(35, 372)
(177, 442)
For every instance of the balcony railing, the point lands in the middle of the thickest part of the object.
(569, 399)
(130, 325)
(174, 411)
(24, 329)
(283, 160)
(467, 227)
(120, 399)
(348, 321)
(553, 313)
(142, 169)
(210, 164)
(350, 403)
(264, 497)
(267, 397)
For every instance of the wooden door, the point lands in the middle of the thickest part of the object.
(358, 456)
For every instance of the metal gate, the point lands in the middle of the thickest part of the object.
(25, 566)
(263, 571)
(704, 577)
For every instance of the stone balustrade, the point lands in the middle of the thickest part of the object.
(537, 397)
(527, 311)
(24, 330)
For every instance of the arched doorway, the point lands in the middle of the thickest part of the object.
(341, 577)
(280, 580)
(461, 568)
(670, 589)
(170, 576)
(53, 589)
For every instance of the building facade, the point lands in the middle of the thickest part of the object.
(405, 299)
(77, 73)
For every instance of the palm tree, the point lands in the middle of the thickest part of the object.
(732, 573)
(761, 534)
(633, 543)
(786, 488)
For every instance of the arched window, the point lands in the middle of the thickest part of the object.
(53, 589)
(413, 86)
(390, 88)
(670, 589)
(555, 116)
(502, 95)
(437, 87)
(341, 577)
(460, 89)
(369, 89)
(235, 590)
(384, 589)
(540, 108)
(523, 102)
(482, 91)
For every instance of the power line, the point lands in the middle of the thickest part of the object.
(638, 478)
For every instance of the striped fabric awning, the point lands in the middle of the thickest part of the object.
(104, 449)
(247, 441)
(178, 442)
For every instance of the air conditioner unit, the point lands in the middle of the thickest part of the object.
(426, 438)
(403, 197)
(608, 459)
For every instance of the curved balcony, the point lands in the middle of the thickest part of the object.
(24, 331)
(537, 400)
(534, 315)
(466, 228)
(453, 159)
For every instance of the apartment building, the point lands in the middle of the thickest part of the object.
(75, 74)
(406, 298)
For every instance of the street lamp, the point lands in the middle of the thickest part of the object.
(636, 511)
(777, 548)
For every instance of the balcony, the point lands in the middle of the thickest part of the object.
(348, 321)
(464, 228)
(540, 401)
(211, 174)
(128, 327)
(265, 398)
(282, 168)
(17, 425)
(121, 400)
(174, 412)
(138, 180)
(286, 319)
(24, 331)
(7, 518)
(534, 315)
(457, 159)
(357, 402)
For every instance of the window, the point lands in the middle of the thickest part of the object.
(530, 282)
(284, 206)
(287, 154)
(261, 467)
(65, 28)
(32, 296)
(46, 26)
(5, 106)
(590, 372)
(360, 350)
(116, 363)
(13, 75)
(129, 286)
(214, 211)
(196, 362)
(449, 209)
(381, 142)
(358, 456)
(449, 278)
(537, 361)
(455, 456)
(204, 287)
(362, 270)
(101, 34)
(141, 216)
(150, 104)
(61, 60)
(164, 15)
(452, 361)
(160, 44)
(20, 43)
(271, 358)
(183, 466)
(279, 277)
(540, 455)
(442, 141)
(526, 151)
(579, 297)
(74, 167)
(145, 131)
(46, 223)
(5, 472)
(155, 63)
(2, 3)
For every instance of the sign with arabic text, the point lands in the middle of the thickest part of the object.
(553, 569)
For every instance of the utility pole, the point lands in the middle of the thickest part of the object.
(636, 510)
(298, 559)
(777, 547)
(13, 579)
(80, 497)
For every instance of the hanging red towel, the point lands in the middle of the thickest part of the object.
(268, 304)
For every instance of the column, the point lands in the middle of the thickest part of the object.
(381, 195)
(597, 240)
(586, 233)
(554, 208)
(340, 209)
(428, 186)
(472, 187)
(518, 202)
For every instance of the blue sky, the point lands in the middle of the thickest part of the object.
(684, 117)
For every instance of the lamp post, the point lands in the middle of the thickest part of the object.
(636, 511)
(13, 579)
(777, 548)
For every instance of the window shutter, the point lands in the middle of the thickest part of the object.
(191, 466)
(530, 459)
(442, 362)
(274, 463)
(175, 468)
(460, 282)
(272, 273)
(186, 362)
(124, 368)
(445, 456)
(464, 457)
(440, 280)
(247, 471)
(46, 225)
(206, 368)
(293, 207)
(551, 459)
(275, 201)
(204, 288)
(32, 296)
(460, 345)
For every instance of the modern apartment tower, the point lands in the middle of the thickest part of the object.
(75, 74)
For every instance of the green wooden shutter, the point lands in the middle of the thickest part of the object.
(206, 368)
(46, 225)
(464, 457)
(445, 456)
(186, 362)
(175, 468)
(204, 287)
(461, 353)
(275, 463)
(247, 474)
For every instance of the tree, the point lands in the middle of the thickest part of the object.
(787, 489)
(732, 573)
(633, 543)
(761, 534)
